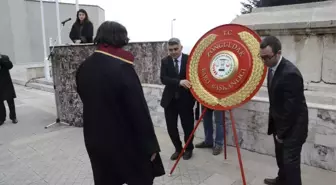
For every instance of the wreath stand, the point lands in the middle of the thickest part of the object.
(225, 154)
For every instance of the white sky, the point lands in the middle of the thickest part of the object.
(150, 20)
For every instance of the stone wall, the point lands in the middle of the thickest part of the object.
(307, 33)
(252, 123)
(315, 55)
(148, 57)
(67, 59)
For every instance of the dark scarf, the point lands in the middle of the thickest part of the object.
(116, 53)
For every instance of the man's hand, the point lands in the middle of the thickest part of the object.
(279, 140)
(185, 83)
(153, 157)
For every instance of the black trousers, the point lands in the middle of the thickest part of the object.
(12, 113)
(288, 157)
(177, 108)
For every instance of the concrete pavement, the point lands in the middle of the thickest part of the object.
(32, 155)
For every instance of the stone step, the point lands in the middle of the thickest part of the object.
(44, 81)
(41, 86)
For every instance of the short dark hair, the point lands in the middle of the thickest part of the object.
(112, 33)
(174, 41)
(272, 42)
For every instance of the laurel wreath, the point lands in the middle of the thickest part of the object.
(243, 93)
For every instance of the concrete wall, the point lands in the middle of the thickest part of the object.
(21, 30)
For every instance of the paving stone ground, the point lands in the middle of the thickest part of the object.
(32, 155)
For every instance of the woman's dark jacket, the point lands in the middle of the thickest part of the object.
(83, 32)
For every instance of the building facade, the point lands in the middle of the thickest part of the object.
(21, 27)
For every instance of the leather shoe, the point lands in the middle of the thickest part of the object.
(174, 156)
(187, 155)
(275, 181)
(1, 123)
(203, 145)
(15, 121)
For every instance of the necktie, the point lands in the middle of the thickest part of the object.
(176, 66)
(270, 77)
(177, 94)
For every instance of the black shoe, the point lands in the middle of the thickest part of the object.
(1, 123)
(15, 121)
(217, 150)
(275, 181)
(203, 145)
(174, 156)
(187, 155)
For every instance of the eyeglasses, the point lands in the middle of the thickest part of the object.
(266, 57)
(173, 49)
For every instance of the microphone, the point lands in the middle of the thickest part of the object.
(63, 22)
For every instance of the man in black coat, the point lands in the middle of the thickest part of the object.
(7, 92)
(177, 99)
(118, 130)
(288, 112)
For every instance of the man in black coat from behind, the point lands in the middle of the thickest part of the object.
(7, 91)
(288, 112)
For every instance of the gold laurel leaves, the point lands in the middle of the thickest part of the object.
(198, 88)
(256, 75)
(243, 93)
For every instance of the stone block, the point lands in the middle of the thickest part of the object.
(326, 122)
(302, 49)
(309, 51)
(250, 120)
(35, 72)
(256, 105)
(326, 140)
(252, 141)
(329, 59)
(288, 47)
(319, 156)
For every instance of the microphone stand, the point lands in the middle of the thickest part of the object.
(58, 120)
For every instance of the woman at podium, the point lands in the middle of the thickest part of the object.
(82, 29)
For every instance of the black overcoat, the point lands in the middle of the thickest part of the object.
(83, 32)
(7, 90)
(118, 130)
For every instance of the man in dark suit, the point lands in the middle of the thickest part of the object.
(288, 113)
(7, 91)
(177, 99)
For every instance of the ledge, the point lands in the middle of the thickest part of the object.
(91, 44)
(259, 99)
(303, 28)
(305, 18)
